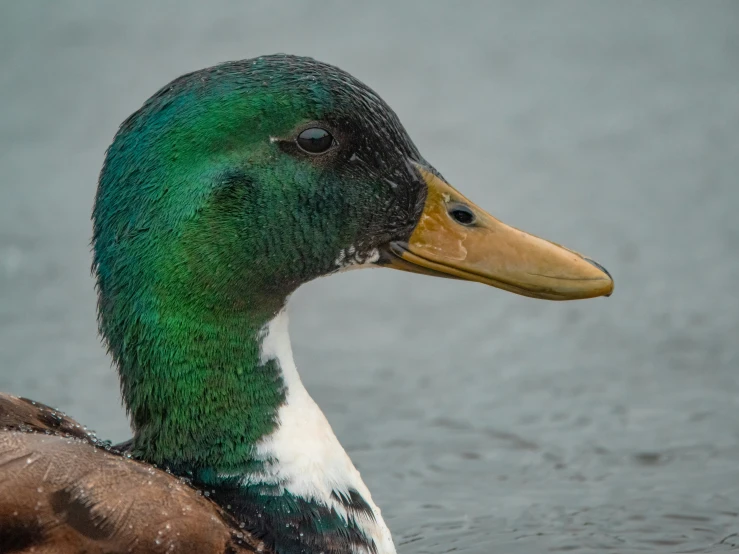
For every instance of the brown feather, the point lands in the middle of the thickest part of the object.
(62, 494)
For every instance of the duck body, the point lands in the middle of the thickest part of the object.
(227, 190)
(65, 492)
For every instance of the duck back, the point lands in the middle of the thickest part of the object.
(63, 492)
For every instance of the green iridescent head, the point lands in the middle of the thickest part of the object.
(237, 183)
(233, 185)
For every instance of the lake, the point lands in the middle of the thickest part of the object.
(480, 420)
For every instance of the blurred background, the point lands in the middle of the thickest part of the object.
(480, 420)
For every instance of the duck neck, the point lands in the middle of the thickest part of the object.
(198, 393)
(224, 405)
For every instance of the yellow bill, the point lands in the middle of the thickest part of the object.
(456, 239)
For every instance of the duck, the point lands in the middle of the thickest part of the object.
(227, 190)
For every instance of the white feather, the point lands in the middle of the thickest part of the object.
(308, 459)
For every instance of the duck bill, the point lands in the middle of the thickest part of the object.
(477, 247)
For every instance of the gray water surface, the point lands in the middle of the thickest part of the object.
(482, 422)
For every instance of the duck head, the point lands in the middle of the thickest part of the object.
(250, 178)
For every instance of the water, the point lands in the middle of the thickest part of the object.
(481, 421)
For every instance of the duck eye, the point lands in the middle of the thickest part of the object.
(315, 140)
(462, 214)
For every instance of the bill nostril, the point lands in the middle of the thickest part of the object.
(462, 214)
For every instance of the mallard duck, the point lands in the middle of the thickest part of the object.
(226, 191)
